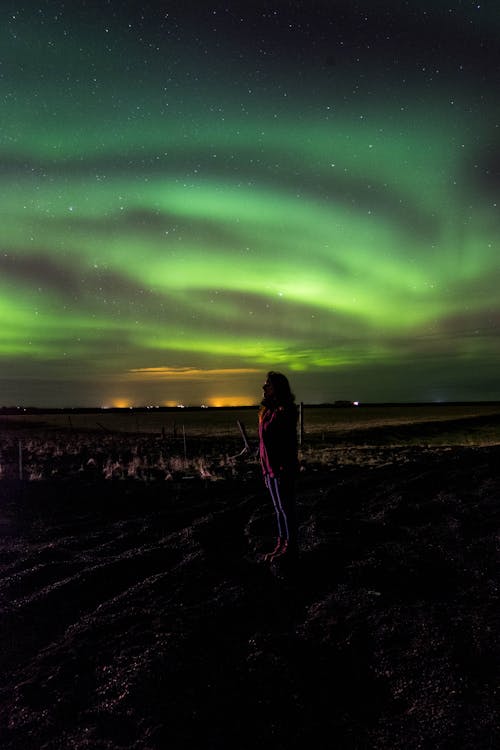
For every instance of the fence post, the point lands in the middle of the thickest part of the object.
(301, 423)
(243, 434)
(20, 460)
(184, 441)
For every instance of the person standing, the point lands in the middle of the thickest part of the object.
(278, 453)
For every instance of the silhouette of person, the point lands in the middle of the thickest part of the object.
(278, 453)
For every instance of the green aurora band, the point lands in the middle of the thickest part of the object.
(172, 228)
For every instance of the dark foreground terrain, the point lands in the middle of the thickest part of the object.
(136, 615)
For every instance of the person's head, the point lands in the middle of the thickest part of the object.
(277, 389)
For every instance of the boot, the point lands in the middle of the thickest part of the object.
(280, 551)
(276, 550)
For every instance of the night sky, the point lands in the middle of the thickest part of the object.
(193, 193)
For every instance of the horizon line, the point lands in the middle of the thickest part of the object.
(203, 407)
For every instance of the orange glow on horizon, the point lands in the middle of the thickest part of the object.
(121, 403)
(213, 401)
(230, 401)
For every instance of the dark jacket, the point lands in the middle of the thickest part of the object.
(278, 440)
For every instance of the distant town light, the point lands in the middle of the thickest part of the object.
(225, 401)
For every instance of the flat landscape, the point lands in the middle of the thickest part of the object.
(135, 611)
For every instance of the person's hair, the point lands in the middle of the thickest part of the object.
(282, 391)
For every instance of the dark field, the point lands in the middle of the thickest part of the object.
(221, 423)
(135, 613)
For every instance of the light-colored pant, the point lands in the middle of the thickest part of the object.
(282, 495)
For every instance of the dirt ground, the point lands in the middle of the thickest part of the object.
(137, 615)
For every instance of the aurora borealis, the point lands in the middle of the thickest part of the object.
(193, 194)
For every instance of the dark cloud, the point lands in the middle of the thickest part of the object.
(40, 270)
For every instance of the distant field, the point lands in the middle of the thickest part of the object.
(208, 443)
(389, 424)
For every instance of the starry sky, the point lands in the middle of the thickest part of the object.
(195, 193)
